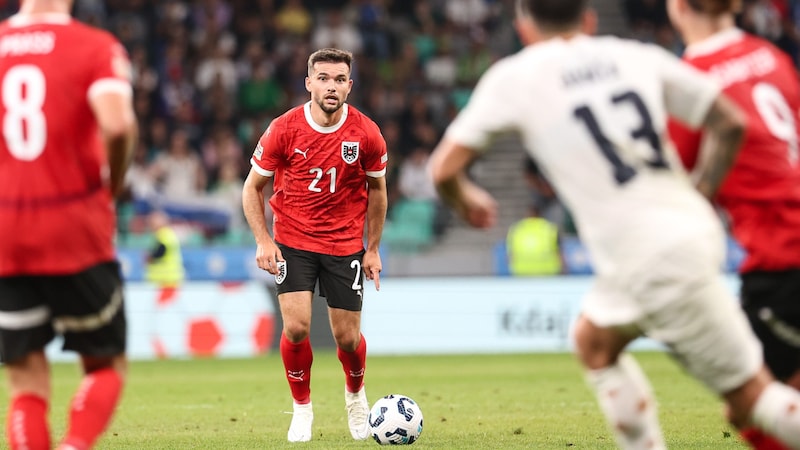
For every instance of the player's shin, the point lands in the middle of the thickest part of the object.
(777, 412)
(353, 364)
(627, 401)
(297, 359)
(92, 408)
(26, 426)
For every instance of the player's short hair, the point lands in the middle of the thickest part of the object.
(715, 7)
(553, 14)
(329, 55)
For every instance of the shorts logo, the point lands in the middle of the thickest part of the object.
(281, 272)
(349, 151)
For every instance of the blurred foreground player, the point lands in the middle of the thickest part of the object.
(68, 129)
(593, 113)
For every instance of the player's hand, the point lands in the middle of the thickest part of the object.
(372, 267)
(479, 208)
(267, 257)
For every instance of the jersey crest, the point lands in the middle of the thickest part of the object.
(349, 151)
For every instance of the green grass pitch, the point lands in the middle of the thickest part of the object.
(531, 401)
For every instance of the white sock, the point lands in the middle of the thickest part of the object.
(627, 400)
(777, 413)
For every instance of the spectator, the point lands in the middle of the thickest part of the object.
(336, 32)
(179, 172)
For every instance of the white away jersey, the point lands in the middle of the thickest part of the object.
(593, 113)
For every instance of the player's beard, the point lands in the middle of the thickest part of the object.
(327, 108)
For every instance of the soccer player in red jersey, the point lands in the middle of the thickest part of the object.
(762, 192)
(68, 129)
(328, 161)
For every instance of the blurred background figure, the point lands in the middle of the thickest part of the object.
(533, 246)
(164, 261)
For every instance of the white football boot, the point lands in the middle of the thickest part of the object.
(300, 429)
(357, 413)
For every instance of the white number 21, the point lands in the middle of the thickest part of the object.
(318, 176)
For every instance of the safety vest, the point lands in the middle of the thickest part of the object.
(532, 246)
(167, 270)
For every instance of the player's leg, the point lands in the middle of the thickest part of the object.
(89, 311)
(24, 332)
(622, 390)
(341, 282)
(295, 287)
(710, 335)
(770, 301)
(29, 380)
(93, 405)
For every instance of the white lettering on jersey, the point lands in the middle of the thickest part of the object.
(36, 42)
(752, 65)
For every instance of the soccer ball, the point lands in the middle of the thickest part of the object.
(395, 420)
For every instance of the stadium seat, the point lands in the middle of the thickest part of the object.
(410, 227)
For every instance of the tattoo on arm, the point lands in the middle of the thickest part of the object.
(724, 126)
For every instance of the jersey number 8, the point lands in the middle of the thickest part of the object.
(24, 124)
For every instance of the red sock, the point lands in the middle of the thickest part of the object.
(761, 441)
(92, 407)
(26, 426)
(297, 360)
(354, 364)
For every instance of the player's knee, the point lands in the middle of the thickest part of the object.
(347, 341)
(589, 346)
(297, 331)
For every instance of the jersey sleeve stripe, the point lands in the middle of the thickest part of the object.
(376, 174)
(261, 171)
(109, 85)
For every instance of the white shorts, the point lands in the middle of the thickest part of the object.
(681, 300)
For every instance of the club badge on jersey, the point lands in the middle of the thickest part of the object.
(349, 151)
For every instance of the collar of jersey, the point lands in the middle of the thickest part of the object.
(23, 20)
(714, 43)
(319, 128)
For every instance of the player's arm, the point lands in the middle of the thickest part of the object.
(253, 205)
(376, 211)
(113, 109)
(267, 252)
(724, 130)
(448, 169)
(377, 205)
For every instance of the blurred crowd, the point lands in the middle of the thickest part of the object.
(209, 76)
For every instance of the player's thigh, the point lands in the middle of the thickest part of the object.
(771, 301)
(89, 310)
(25, 317)
(299, 271)
(708, 333)
(341, 281)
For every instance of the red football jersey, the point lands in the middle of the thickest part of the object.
(320, 187)
(761, 194)
(56, 210)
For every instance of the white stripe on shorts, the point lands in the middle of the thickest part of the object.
(26, 318)
(92, 322)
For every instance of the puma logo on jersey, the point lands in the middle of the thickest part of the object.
(297, 150)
